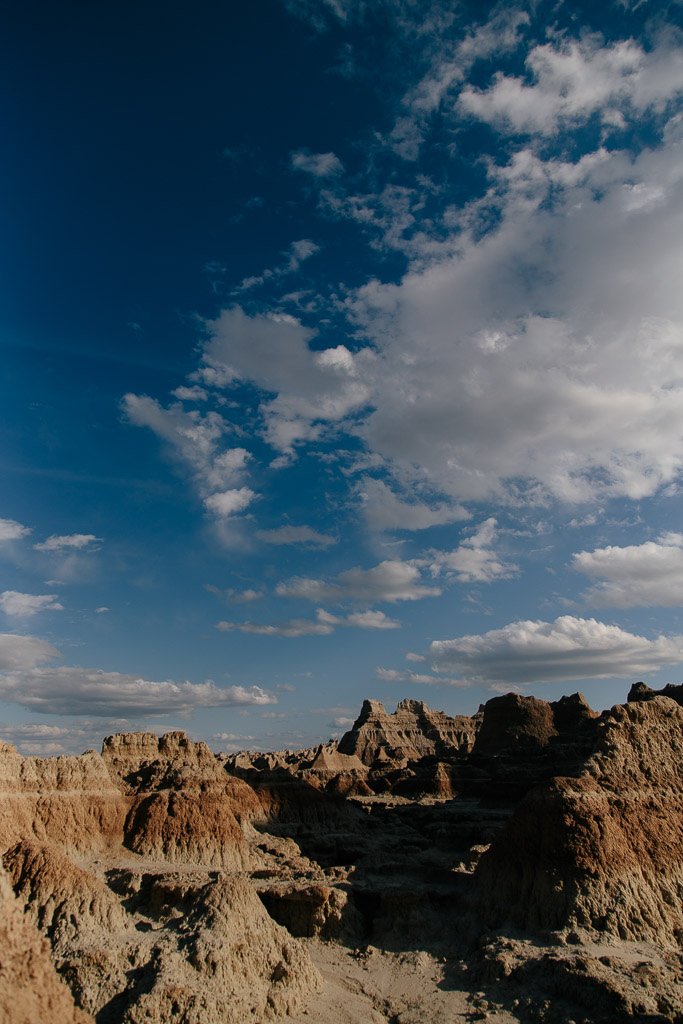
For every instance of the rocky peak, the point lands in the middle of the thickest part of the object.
(144, 757)
(413, 731)
(640, 692)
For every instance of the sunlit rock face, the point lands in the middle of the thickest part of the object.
(411, 732)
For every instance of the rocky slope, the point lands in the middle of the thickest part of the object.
(526, 863)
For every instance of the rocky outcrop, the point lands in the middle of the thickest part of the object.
(233, 963)
(200, 948)
(144, 760)
(640, 691)
(602, 851)
(411, 732)
(71, 801)
(196, 826)
(31, 991)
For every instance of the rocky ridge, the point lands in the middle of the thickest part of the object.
(534, 850)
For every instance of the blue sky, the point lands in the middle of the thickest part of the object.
(343, 348)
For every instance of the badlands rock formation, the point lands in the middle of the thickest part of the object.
(522, 864)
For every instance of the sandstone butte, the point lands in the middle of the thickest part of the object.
(524, 864)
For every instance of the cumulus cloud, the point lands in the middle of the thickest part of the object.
(21, 605)
(572, 79)
(272, 351)
(10, 529)
(68, 690)
(304, 536)
(323, 625)
(567, 649)
(636, 576)
(24, 652)
(77, 541)
(320, 165)
(474, 560)
(390, 581)
(230, 503)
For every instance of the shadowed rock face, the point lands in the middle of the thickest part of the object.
(639, 692)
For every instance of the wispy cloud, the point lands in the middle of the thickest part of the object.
(22, 605)
(474, 560)
(10, 529)
(73, 541)
(389, 581)
(303, 536)
(324, 624)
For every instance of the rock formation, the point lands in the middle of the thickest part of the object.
(412, 732)
(31, 991)
(178, 885)
(601, 851)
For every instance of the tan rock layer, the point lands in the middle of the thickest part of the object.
(601, 851)
(31, 992)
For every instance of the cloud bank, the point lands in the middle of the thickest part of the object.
(567, 649)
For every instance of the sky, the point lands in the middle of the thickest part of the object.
(343, 357)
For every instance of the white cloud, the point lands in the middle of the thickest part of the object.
(636, 576)
(24, 652)
(190, 394)
(372, 620)
(302, 535)
(235, 596)
(342, 722)
(14, 603)
(567, 649)
(574, 79)
(474, 561)
(290, 628)
(44, 740)
(79, 691)
(196, 440)
(323, 625)
(383, 510)
(77, 541)
(392, 675)
(230, 503)
(320, 165)
(272, 352)
(10, 529)
(547, 363)
(390, 581)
